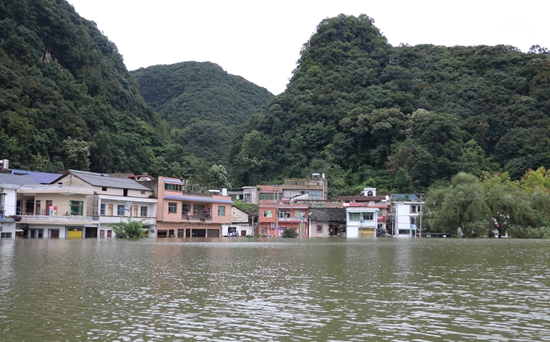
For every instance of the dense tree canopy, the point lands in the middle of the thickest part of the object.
(65, 94)
(361, 111)
(384, 115)
(201, 103)
(492, 204)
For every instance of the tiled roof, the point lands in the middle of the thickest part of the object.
(98, 179)
(6, 178)
(360, 198)
(412, 197)
(41, 177)
(44, 177)
(198, 199)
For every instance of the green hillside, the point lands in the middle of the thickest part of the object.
(356, 108)
(66, 98)
(399, 118)
(201, 103)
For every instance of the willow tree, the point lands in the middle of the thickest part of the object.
(510, 205)
(458, 205)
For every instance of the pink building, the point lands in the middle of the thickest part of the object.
(183, 214)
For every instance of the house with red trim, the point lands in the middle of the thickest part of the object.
(273, 218)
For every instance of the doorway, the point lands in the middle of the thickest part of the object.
(91, 232)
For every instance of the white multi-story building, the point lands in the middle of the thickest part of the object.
(361, 221)
(407, 213)
(81, 204)
(9, 186)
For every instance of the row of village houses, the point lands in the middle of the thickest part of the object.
(79, 204)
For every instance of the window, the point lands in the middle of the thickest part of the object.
(368, 216)
(172, 187)
(143, 211)
(354, 216)
(315, 194)
(268, 196)
(75, 208)
(413, 208)
(185, 208)
(102, 209)
(29, 207)
(268, 213)
(172, 207)
(413, 219)
(284, 214)
(201, 210)
(124, 192)
(5, 235)
(404, 231)
(221, 210)
(36, 206)
(319, 228)
(300, 213)
(142, 192)
(120, 209)
(104, 188)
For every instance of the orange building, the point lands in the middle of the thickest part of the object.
(275, 217)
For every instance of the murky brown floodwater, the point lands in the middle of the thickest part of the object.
(275, 290)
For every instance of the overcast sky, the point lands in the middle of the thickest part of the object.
(261, 40)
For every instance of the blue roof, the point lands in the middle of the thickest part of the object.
(176, 181)
(44, 177)
(198, 199)
(40, 177)
(412, 197)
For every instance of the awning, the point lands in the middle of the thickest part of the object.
(198, 199)
(173, 181)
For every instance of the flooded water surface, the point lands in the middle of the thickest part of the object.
(275, 290)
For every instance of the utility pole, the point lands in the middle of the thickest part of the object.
(420, 210)
(276, 196)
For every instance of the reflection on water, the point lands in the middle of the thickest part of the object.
(263, 290)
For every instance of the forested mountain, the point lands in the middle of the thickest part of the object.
(356, 108)
(201, 103)
(67, 100)
(399, 118)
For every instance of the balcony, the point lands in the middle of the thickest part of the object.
(47, 219)
(292, 219)
(196, 218)
(66, 190)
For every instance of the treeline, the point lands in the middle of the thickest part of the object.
(68, 101)
(398, 118)
(492, 205)
(201, 103)
(357, 109)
